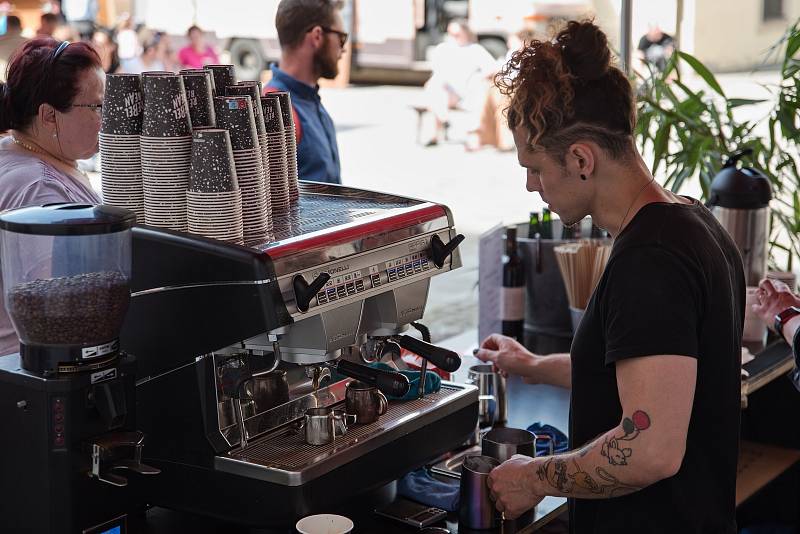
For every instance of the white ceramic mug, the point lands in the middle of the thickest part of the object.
(324, 524)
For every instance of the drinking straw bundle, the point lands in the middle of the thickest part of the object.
(581, 265)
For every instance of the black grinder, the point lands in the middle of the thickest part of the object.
(67, 398)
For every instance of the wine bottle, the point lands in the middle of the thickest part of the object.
(534, 226)
(547, 224)
(512, 296)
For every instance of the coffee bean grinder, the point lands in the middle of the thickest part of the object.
(67, 398)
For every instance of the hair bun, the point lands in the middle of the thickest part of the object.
(584, 49)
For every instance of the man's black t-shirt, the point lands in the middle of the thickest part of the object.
(674, 284)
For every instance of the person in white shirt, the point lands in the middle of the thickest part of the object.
(460, 75)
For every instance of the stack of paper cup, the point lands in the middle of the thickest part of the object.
(289, 131)
(278, 166)
(252, 89)
(235, 113)
(121, 124)
(166, 145)
(214, 200)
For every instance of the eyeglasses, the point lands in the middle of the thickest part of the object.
(97, 108)
(342, 35)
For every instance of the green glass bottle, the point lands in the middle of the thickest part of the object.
(534, 226)
(547, 224)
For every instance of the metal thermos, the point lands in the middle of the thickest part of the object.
(739, 200)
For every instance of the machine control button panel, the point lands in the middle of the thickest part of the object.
(347, 283)
(59, 439)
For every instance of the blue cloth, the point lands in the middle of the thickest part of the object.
(420, 486)
(433, 382)
(560, 440)
(318, 152)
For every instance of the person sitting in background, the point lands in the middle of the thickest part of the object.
(655, 48)
(51, 107)
(312, 39)
(47, 25)
(10, 42)
(779, 308)
(460, 72)
(197, 53)
(493, 129)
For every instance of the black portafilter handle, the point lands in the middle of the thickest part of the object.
(389, 382)
(444, 359)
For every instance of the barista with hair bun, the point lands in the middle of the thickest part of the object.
(51, 108)
(654, 368)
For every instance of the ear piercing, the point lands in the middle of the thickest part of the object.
(583, 177)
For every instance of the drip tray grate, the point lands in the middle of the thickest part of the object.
(286, 458)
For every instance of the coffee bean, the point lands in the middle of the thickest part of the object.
(70, 310)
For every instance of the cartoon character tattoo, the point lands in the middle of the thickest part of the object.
(615, 451)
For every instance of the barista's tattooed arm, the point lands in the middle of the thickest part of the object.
(586, 472)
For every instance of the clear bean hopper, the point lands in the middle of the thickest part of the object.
(66, 271)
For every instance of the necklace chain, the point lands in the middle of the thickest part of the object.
(36, 150)
(625, 217)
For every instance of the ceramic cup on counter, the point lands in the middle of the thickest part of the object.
(322, 425)
(365, 402)
(325, 524)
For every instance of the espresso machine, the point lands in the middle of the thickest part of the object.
(235, 343)
(67, 398)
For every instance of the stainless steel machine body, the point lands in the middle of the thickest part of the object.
(345, 277)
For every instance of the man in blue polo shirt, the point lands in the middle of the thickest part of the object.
(312, 39)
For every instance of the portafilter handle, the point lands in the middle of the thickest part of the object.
(444, 359)
(389, 382)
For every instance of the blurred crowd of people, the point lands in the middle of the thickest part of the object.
(124, 48)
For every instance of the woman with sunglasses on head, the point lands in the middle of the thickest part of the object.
(50, 107)
(654, 368)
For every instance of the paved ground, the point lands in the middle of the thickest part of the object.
(376, 132)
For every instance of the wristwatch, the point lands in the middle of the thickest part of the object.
(783, 317)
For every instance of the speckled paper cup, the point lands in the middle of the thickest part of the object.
(166, 112)
(213, 168)
(271, 111)
(122, 105)
(235, 113)
(253, 90)
(199, 96)
(223, 77)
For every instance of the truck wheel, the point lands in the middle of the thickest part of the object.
(496, 46)
(248, 58)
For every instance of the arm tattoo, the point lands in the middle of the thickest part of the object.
(614, 450)
(557, 473)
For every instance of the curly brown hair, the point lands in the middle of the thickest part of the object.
(566, 90)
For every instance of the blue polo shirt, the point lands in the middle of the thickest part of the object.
(317, 152)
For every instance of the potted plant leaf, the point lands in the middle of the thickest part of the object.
(691, 132)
